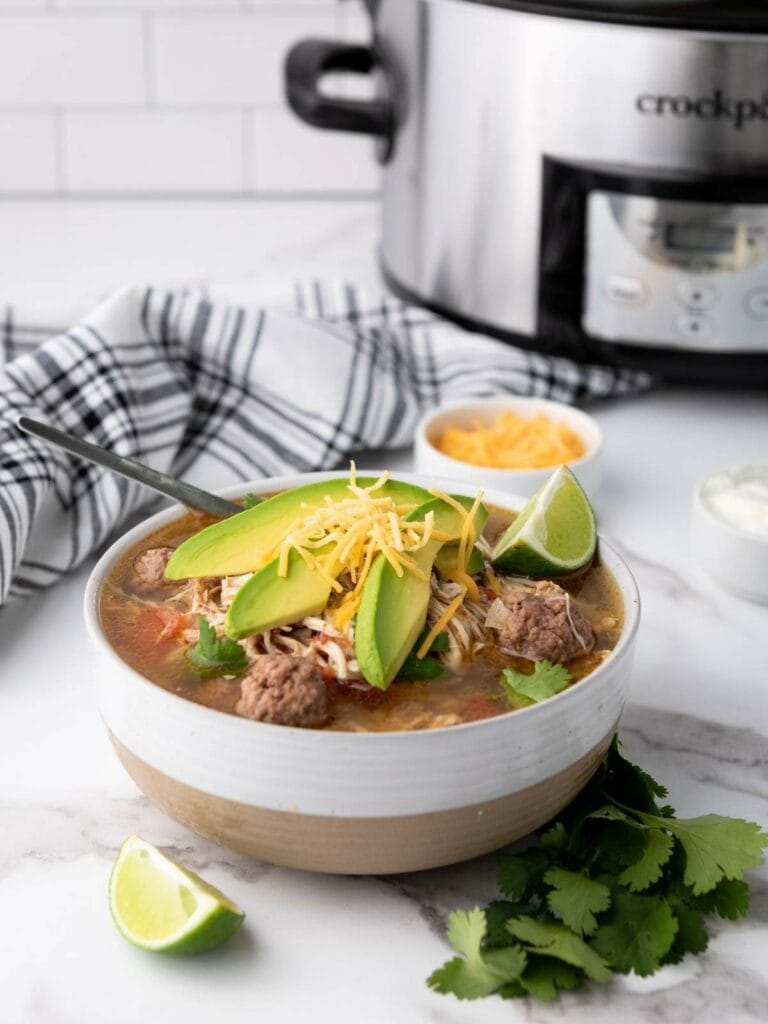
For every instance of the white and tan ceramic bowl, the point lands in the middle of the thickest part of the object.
(351, 802)
(430, 461)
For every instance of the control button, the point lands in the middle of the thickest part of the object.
(625, 291)
(756, 302)
(696, 296)
(694, 328)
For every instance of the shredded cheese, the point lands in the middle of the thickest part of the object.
(492, 581)
(441, 623)
(513, 442)
(466, 541)
(344, 536)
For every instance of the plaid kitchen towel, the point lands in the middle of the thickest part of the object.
(219, 393)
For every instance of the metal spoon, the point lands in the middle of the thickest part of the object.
(170, 486)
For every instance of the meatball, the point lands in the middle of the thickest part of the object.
(284, 690)
(149, 568)
(540, 623)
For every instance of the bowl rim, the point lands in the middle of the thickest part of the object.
(532, 401)
(628, 589)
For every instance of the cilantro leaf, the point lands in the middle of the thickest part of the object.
(647, 869)
(478, 973)
(554, 838)
(545, 681)
(519, 874)
(512, 990)
(630, 883)
(715, 847)
(631, 786)
(691, 936)
(415, 670)
(418, 670)
(544, 976)
(211, 656)
(440, 644)
(638, 934)
(576, 899)
(617, 841)
(252, 500)
(558, 941)
(497, 913)
(729, 899)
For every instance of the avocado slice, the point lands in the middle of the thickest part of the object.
(243, 542)
(393, 609)
(267, 599)
(447, 560)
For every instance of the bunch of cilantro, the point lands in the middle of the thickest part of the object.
(617, 884)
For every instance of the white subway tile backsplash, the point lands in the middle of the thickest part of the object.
(288, 155)
(224, 59)
(169, 96)
(154, 152)
(28, 153)
(49, 59)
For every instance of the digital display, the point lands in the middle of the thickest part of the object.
(693, 237)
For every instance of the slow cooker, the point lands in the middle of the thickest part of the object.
(586, 178)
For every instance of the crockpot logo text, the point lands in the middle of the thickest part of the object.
(713, 107)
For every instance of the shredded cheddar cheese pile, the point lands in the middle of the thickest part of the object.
(513, 442)
(345, 536)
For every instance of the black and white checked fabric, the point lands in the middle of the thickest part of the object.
(217, 393)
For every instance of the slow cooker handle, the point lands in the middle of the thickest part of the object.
(306, 64)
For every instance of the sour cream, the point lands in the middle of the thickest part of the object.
(739, 497)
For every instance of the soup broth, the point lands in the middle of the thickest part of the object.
(146, 628)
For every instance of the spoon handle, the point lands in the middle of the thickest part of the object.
(170, 486)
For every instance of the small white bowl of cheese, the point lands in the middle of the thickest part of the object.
(455, 440)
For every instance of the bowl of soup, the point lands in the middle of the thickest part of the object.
(298, 744)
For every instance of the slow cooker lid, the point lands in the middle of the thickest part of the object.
(704, 15)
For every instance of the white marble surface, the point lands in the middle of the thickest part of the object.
(351, 949)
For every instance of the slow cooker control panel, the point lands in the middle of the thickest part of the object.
(676, 273)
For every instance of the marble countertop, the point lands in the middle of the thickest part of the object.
(341, 949)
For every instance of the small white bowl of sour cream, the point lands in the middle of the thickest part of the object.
(729, 529)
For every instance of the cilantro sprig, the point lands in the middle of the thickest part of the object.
(419, 670)
(211, 656)
(522, 689)
(616, 884)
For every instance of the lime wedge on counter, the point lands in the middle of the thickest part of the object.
(159, 905)
(554, 533)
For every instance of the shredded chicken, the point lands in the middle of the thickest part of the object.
(466, 629)
(317, 637)
(332, 647)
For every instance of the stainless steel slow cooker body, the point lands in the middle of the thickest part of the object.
(579, 178)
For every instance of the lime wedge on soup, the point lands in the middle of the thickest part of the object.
(553, 534)
(161, 906)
